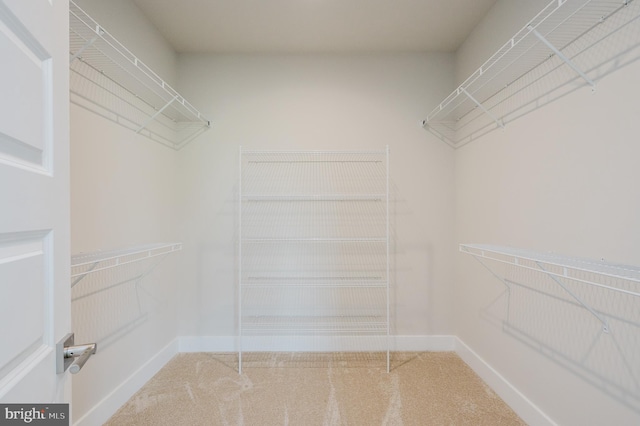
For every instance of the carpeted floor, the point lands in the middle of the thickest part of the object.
(426, 388)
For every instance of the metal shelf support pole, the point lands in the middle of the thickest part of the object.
(605, 325)
(388, 268)
(240, 260)
(563, 57)
(482, 107)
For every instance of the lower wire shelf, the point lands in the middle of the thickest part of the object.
(293, 325)
(562, 270)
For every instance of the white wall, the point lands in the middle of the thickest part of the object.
(123, 191)
(122, 194)
(317, 103)
(561, 179)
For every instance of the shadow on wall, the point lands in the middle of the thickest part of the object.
(108, 304)
(538, 312)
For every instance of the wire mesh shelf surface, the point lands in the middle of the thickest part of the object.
(559, 50)
(88, 263)
(590, 272)
(110, 80)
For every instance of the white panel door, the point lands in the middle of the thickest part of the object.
(34, 199)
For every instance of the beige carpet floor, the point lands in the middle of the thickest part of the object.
(426, 388)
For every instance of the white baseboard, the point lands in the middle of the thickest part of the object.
(523, 407)
(103, 410)
(316, 343)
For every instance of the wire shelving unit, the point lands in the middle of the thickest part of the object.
(564, 47)
(106, 78)
(622, 279)
(313, 245)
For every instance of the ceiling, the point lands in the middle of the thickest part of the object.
(314, 26)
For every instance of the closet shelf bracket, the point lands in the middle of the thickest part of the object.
(482, 107)
(491, 271)
(154, 116)
(563, 57)
(605, 325)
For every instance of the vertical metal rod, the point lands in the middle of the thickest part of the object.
(563, 57)
(153, 117)
(82, 49)
(240, 261)
(605, 325)
(388, 269)
(482, 107)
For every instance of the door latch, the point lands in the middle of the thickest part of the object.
(72, 357)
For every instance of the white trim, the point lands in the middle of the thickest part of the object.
(104, 409)
(316, 343)
(21, 370)
(526, 409)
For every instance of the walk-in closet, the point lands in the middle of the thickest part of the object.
(320, 212)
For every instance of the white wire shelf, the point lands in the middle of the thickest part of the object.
(557, 265)
(557, 48)
(315, 240)
(312, 197)
(621, 279)
(110, 80)
(357, 325)
(340, 154)
(307, 284)
(331, 281)
(83, 264)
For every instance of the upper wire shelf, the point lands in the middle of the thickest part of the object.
(552, 54)
(83, 264)
(108, 79)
